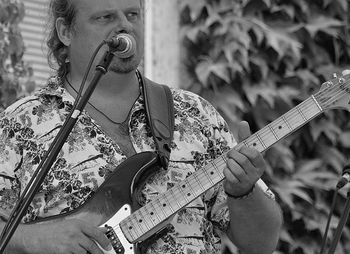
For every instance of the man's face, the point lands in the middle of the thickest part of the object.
(98, 20)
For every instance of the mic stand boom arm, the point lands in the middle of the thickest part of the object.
(44, 167)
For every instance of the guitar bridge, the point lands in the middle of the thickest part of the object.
(112, 236)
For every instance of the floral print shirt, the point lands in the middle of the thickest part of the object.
(28, 127)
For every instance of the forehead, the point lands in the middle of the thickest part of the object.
(90, 6)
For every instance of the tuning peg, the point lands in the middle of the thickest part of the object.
(345, 72)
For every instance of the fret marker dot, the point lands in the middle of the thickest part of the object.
(254, 144)
(140, 220)
(164, 205)
(152, 213)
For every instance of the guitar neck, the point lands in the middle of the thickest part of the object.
(165, 205)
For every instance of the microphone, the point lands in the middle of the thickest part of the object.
(122, 45)
(345, 178)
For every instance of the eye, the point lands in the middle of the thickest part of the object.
(105, 18)
(133, 15)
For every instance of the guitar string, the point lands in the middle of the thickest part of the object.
(265, 131)
(220, 165)
(135, 215)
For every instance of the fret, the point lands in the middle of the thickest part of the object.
(191, 182)
(294, 118)
(301, 113)
(218, 170)
(160, 207)
(212, 175)
(166, 204)
(286, 122)
(195, 177)
(178, 197)
(146, 217)
(125, 228)
(280, 127)
(136, 224)
(186, 192)
(268, 136)
(316, 103)
(252, 141)
(313, 109)
(153, 216)
(132, 229)
(224, 157)
(245, 143)
(205, 179)
(273, 131)
(261, 140)
(139, 220)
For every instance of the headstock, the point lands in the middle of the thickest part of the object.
(335, 93)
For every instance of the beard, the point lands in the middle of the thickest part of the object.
(125, 65)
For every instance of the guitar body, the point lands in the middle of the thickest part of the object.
(114, 201)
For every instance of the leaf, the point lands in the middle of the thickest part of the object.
(195, 7)
(279, 39)
(205, 68)
(324, 24)
(265, 92)
(327, 128)
(287, 190)
(331, 156)
(288, 94)
(344, 139)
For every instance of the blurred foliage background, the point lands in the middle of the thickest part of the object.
(255, 60)
(16, 77)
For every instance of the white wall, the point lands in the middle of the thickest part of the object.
(162, 41)
(32, 28)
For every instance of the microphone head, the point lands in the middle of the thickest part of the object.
(122, 45)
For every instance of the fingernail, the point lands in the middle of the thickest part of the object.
(109, 247)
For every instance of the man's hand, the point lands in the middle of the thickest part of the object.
(244, 166)
(69, 236)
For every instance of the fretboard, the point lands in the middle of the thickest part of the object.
(166, 204)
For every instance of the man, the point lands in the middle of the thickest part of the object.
(113, 128)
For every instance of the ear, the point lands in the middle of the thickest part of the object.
(64, 32)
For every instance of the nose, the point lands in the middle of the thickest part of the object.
(123, 25)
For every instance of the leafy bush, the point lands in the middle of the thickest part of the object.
(257, 59)
(15, 75)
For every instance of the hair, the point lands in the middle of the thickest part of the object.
(57, 51)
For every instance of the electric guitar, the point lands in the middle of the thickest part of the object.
(114, 207)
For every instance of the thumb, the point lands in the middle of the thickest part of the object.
(243, 131)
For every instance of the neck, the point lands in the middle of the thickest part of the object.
(110, 85)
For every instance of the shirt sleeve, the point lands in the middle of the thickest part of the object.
(10, 161)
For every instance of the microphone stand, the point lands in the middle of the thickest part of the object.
(341, 224)
(25, 200)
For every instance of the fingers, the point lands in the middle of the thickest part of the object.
(248, 159)
(244, 168)
(243, 130)
(97, 235)
(89, 246)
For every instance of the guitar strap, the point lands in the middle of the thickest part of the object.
(160, 115)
